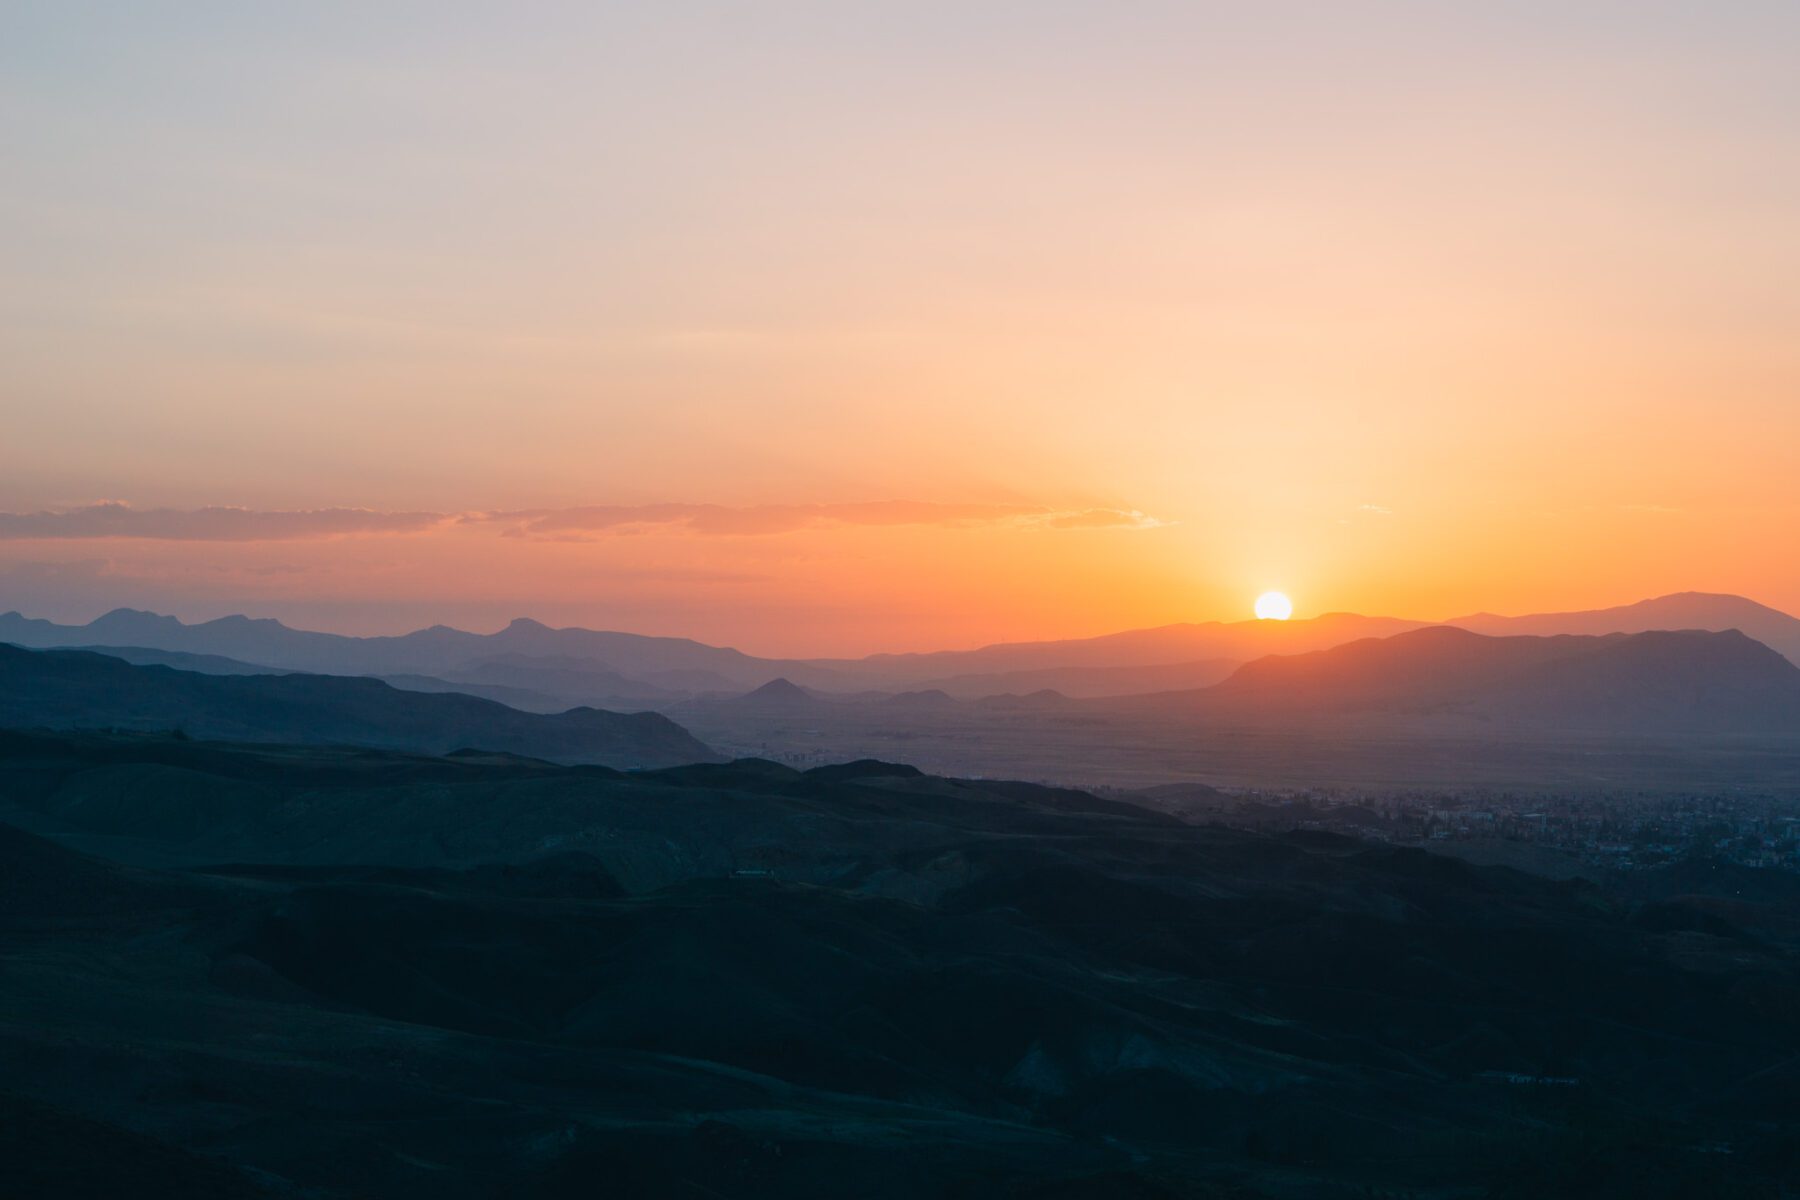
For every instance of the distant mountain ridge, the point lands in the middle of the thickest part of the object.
(543, 667)
(1652, 683)
(425, 651)
(1161, 646)
(1683, 610)
(72, 689)
(585, 666)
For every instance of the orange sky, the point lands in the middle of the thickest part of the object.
(1395, 308)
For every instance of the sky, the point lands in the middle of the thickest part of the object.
(844, 327)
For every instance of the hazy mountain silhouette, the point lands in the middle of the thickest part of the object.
(1424, 665)
(610, 669)
(513, 697)
(1683, 610)
(205, 664)
(1162, 646)
(1079, 667)
(777, 695)
(1680, 682)
(651, 668)
(61, 689)
(435, 651)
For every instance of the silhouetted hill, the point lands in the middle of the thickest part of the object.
(205, 664)
(1684, 682)
(1662, 682)
(1425, 665)
(596, 666)
(777, 695)
(1683, 610)
(361, 973)
(513, 697)
(619, 660)
(863, 768)
(437, 651)
(74, 689)
(469, 683)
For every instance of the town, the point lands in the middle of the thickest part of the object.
(1597, 832)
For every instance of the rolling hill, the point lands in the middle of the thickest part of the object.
(65, 689)
(315, 972)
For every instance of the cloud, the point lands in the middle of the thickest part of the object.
(214, 524)
(113, 519)
(762, 520)
(1103, 518)
(1375, 510)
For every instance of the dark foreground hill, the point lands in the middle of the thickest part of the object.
(340, 973)
(64, 689)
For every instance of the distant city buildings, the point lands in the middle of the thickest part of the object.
(1615, 833)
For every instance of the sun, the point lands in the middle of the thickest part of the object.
(1273, 606)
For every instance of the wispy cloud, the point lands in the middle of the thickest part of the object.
(755, 520)
(1102, 518)
(766, 519)
(212, 524)
(113, 519)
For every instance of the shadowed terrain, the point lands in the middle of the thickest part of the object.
(336, 972)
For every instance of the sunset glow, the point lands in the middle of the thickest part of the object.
(859, 328)
(817, 598)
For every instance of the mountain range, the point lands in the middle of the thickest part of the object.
(1423, 705)
(1679, 682)
(548, 669)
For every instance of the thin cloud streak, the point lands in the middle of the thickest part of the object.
(215, 523)
(714, 520)
(219, 523)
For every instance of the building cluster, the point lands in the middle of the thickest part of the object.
(1614, 832)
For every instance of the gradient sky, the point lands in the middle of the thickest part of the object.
(840, 327)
